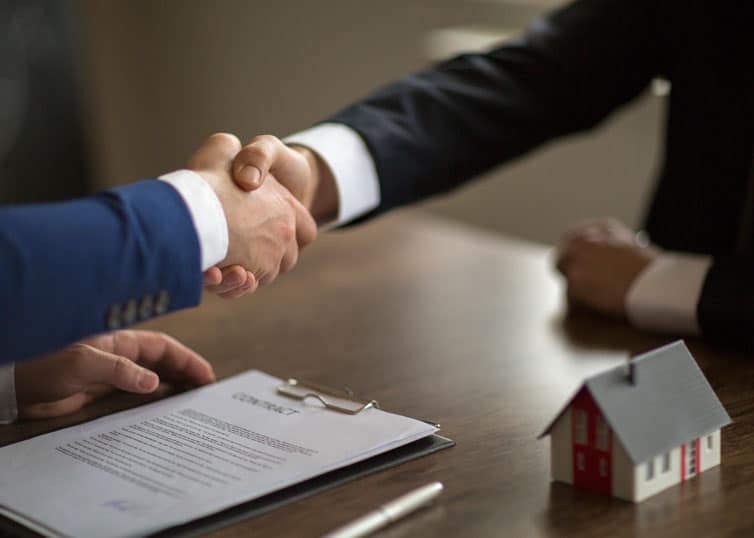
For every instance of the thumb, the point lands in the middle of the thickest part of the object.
(252, 164)
(95, 366)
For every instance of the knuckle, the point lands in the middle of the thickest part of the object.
(78, 358)
(286, 234)
(265, 140)
(227, 141)
(263, 147)
(121, 367)
(124, 341)
(289, 262)
(309, 237)
(262, 153)
(268, 276)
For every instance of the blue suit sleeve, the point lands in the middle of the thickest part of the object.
(73, 269)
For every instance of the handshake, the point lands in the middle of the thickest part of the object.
(268, 192)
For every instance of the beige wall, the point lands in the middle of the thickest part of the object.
(162, 75)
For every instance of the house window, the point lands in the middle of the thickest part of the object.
(581, 425)
(710, 442)
(603, 435)
(650, 470)
(580, 461)
(666, 462)
(603, 467)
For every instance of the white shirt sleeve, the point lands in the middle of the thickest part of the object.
(665, 295)
(351, 164)
(206, 212)
(8, 409)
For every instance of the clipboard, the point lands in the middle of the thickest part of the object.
(337, 400)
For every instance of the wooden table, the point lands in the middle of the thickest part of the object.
(440, 321)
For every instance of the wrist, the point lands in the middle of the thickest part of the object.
(199, 191)
(321, 196)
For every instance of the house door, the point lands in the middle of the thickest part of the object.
(591, 446)
(690, 459)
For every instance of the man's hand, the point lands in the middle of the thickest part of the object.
(306, 176)
(298, 169)
(266, 228)
(66, 381)
(600, 261)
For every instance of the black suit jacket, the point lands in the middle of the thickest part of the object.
(431, 131)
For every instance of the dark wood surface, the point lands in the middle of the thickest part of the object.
(444, 322)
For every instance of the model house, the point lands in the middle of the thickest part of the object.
(640, 428)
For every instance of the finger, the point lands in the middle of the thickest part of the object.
(289, 258)
(217, 151)
(213, 276)
(248, 177)
(306, 227)
(258, 156)
(94, 366)
(269, 277)
(159, 352)
(267, 154)
(593, 234)
(233, 277)
(597, 227)
(249, 287)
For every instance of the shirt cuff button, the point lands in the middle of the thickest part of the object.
(113, 317)
(162, 303)
(145, 309)
(129, 313)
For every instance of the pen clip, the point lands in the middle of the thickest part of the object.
(335, 399)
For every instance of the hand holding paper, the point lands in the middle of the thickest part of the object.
(164, 464)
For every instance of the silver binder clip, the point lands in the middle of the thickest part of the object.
(338, 400)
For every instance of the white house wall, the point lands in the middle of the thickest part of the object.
(709, 458)
(561, 449)
(662, 479)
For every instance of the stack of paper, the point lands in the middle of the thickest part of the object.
(143, 470)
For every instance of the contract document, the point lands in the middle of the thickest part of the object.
(188, 456)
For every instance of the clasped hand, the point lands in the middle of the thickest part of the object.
(293, 181)
(266, 227)
(601, 260)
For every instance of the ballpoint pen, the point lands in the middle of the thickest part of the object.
(388, 513)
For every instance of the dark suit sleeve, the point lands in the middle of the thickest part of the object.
(725, 311)
(433, 130)
(72, 269)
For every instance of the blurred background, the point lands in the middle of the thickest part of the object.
(95, 93)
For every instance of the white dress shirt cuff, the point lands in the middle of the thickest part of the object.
(206, 212)
(8, 409)
(351, 164)
(665, 295)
